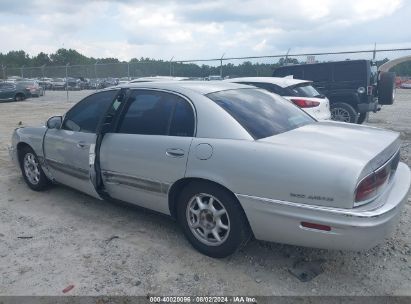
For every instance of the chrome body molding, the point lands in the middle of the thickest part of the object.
(135, 182)
(68, 169)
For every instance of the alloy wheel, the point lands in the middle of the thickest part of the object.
(207, 219)
(31, 168)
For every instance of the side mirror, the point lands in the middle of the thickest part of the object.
(54, 122)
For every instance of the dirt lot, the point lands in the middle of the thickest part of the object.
(73, 239)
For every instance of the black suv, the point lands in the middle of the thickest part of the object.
(354, 87)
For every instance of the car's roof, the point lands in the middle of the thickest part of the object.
(200, 87)
(280, 81)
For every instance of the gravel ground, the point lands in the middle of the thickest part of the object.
(105, 248)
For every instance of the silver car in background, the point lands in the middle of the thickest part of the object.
(228, 161)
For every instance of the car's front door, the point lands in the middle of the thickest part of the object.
(7, 91)
(148, 152)
(69, 150)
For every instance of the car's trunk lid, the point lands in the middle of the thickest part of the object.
(370, 146)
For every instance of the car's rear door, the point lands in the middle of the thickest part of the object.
(148, 151)
(69, 151)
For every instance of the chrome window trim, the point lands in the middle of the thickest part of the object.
(174, 93)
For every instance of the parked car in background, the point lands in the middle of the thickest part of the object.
(300, 92)
(124, 80)
(58, 84)
(13, 79)
(406, 84)
(214, 77)
(354, 87)
(13, 91)
(31, 86)
(73, 84)
(228, 161)
(46, 83)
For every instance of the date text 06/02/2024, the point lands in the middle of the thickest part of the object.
(201, 299)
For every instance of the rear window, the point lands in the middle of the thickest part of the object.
(304, 90)
(261, 113)
(349, 71)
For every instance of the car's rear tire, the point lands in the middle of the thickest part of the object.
(362, 117)
(341, 111)
(31, 169)
(212, 219)
(386, 88)
(19, 97)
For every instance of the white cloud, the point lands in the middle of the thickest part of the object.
(187, 29)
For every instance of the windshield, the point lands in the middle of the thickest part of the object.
(304, 90)
(261, 113)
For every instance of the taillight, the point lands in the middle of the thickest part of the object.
(369, 187)
(303, 103)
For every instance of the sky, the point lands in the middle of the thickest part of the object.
(187, 29)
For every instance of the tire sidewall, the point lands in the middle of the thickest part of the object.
(363, 117)
(386, 88)
(43, 182)
(346, 107)
(238, 231)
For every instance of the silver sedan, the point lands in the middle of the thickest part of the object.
(227, 161)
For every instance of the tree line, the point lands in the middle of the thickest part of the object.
(83, 66)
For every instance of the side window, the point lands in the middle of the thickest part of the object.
(349, 71)
(6, 86)
(182, 123)
(270, 88)
(317, 72)
(148, 112)
(85, 116)
(157, 113)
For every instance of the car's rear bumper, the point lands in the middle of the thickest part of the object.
(352, 229)
(368, 107)
(319, 113)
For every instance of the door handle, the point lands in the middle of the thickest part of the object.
(175, 152)
(81, 145)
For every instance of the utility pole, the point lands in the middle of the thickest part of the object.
(42, 72)
(221, 65)
(286, 57)
(3, 67)
(95, 69)
(171, 65)
(22, 71)
(128, 70)
(67, 94)
(374, 53)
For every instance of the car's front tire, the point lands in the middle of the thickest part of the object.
(341, 111)
(212, 219)
(362, 117)
(31, 169)
(19, 97)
